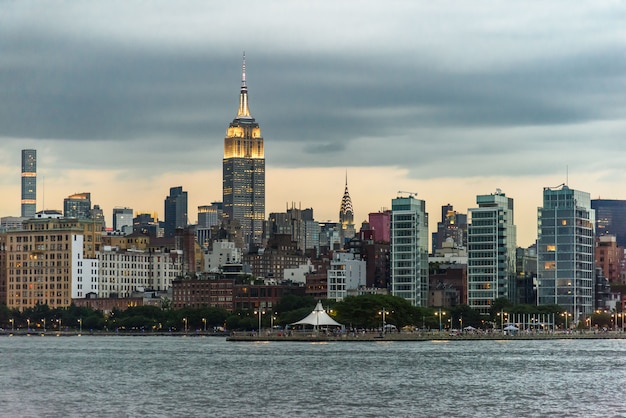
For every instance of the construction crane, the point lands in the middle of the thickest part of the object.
(411, 194)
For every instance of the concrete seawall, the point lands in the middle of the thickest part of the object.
(416, 336)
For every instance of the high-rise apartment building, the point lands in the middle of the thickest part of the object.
(175, 211)
(565, 251)
(123, 219)
(29, 182)
(491, 241)
(611, 219)
(409, 250)
(244, 171)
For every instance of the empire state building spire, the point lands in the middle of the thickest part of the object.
(244, 111)
(243, 171)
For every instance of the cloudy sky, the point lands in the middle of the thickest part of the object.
(449, 99)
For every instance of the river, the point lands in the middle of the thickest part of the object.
(118, 376)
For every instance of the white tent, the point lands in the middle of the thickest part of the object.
(318, 317)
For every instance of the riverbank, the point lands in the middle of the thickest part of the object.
(20, 333)
(418, 336)
(345, 337)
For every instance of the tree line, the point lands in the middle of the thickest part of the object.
(367, 312)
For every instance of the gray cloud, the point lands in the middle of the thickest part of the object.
(408, 85)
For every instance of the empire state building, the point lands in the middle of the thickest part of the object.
(243, 183)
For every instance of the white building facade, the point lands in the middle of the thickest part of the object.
(223, 253)
(123, 272)
(346, 273)
(84, 270)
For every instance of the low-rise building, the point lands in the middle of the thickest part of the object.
(346, 273)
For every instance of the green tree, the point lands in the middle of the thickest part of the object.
(291, 302)
(367, 311)
(464, 315)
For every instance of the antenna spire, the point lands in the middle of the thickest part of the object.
(243, 71)
(244, 111)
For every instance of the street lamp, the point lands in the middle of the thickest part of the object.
(12, 321)
(259, 312)
(204, 323)
(501, 315)
(272, 321)
(80, 324)
(566, 315)
(28, 322)
(44, 324)
(59, 324)
(185, 325)
(383, 313)
(440, 314)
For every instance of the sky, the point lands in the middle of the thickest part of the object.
(446, 99)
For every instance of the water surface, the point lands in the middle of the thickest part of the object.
(207, 376)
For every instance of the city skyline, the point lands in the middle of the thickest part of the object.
(450, 101)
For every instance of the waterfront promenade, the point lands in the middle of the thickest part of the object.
(311, 336)
(418, 336)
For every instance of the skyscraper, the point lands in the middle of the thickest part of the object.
(565, 251)
(491, 241)
(611, 219)
(175, 211)
(29, 182)
(346, 215)
(409, 250)
(243, 184)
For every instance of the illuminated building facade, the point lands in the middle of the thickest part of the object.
(243, 184)
(51, 261)
(29, 182)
